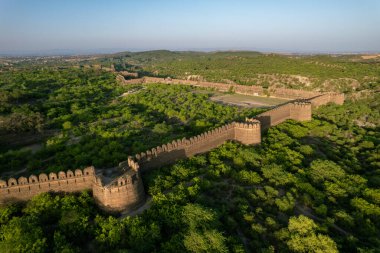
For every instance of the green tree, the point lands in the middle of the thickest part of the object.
(207, 241)
(303, 237)
(22, 235)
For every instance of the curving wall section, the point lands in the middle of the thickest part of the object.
(123, 193)
(240, 89)
(246, 89)
(126, 192)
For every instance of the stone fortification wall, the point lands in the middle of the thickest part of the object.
(247, 133)
(297, 110)
(123, 193)
(292, 93)
(273, 117)
(240, 89)
(127, 191)
(25, 188)
(315, 97)
(300, 110)
(337, 98)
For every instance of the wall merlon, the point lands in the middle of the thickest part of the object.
(127, 191)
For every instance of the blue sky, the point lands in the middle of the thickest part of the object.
(267, 25)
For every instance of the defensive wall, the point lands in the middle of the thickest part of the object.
(299, 110)
(246, 89)
(248, 133)
(24, 188)
(126, 192)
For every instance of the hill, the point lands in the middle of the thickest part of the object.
(310, 187)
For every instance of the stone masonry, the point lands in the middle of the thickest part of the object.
(126, 192)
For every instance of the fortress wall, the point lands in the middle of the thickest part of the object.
(240, 89)
(274, 117)
(292, 93)
(212, 139)
(246, 133)
(25, 188)
(164, 158)
(317, 98)
(300, 110)
(337, 98)
(249, 90)
(320, 100)
(296, 110)
(180, 149)
(124, 193)
(127, 191)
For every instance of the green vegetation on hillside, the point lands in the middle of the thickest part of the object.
(344, 73)
(310, 187)
(90, 123)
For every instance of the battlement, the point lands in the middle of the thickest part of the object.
(299, 110)
(44, 178)
(337, 98)
(237, 88)
(301, 102)
(254, 90)
(127, 191)
(292, 93)
(123, 193)
(25, 188)
(246, 133)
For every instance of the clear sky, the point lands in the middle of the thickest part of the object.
(266, 25)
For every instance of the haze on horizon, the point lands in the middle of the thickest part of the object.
(297, 26)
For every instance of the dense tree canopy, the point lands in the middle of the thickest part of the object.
(82, 119)
(309, 187)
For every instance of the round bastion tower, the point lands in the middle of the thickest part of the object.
(125, 192)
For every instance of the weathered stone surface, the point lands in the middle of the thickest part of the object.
(127, 191)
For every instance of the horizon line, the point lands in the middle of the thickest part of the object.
(107, 51)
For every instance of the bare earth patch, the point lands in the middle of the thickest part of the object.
(372, 56)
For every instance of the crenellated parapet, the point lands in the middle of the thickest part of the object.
(316, 98)
(292, 93)
(126, 191)
(300, 110)
(329, 97)
(247, 133)
(25, 188)
(237, 88)
(48, 178)
(337, 98)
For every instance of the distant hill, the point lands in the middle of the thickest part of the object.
(311, 72)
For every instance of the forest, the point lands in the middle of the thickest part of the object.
(83, 119)
(309, 187)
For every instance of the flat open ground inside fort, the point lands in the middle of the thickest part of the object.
(247, 100)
